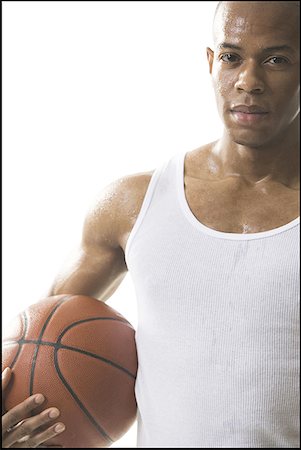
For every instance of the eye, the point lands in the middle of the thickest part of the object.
(276, 60)
(229, 58)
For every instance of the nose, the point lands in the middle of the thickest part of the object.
(250, 79)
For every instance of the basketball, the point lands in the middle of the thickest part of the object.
(81, 355)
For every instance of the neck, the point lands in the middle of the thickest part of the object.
(277, 161)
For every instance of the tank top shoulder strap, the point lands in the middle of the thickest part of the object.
(157, 174)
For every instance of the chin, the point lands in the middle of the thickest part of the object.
(249, 139)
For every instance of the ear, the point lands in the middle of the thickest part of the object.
(210, 58)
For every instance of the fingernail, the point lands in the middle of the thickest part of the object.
(59, 427)
(54, 413)
(39, 398)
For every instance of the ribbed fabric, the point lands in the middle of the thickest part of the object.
(218, 326)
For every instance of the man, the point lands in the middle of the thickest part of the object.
(211, 239)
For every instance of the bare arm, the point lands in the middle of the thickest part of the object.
(98, 266)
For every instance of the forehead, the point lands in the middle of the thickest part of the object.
(257, 23)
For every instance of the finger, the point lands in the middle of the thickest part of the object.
(51, 432)
(20, 412)
(26, 432)
(6, 375)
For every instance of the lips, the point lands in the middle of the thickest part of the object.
(253, 109)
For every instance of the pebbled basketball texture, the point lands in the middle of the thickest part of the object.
(81, 354)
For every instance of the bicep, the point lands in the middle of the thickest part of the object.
(97, 266)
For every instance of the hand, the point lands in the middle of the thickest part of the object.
(21, 431)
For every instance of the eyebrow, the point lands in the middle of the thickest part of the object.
(267, 49)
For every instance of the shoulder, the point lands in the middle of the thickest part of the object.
(115, 209)
(130, 194)
(128, 191)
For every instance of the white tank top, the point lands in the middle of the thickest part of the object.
(218, 326)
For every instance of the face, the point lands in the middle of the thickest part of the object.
(255, 63)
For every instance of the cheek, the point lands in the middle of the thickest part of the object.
(287, 105)
(223, 84)
(287, 94)
(284, 95)
(224, 94)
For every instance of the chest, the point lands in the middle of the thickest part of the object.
(229, 206)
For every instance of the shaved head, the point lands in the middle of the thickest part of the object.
(220, 14)
(286, 3)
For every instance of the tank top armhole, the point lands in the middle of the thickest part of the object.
(144, 207)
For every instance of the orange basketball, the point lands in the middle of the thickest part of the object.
(81, 354)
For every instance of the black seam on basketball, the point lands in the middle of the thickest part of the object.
(58, 346)
(20, 345)
(90, 320)
(92, 355)
(34, 359)
(80, 404)
(73, 324)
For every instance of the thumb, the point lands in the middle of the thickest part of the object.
(6, 376)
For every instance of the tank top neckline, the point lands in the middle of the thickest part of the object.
(211, 231)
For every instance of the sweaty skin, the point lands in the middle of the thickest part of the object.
(245, 182)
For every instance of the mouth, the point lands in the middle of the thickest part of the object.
(248, 118)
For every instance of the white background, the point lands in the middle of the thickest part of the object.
(92, 91)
